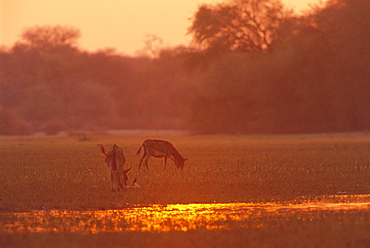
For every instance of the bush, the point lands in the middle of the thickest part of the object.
(53, 127)
(12, 124)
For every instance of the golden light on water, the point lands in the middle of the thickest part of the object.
(175, 217)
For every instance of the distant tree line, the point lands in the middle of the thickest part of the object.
(254, 67)
(48, 83)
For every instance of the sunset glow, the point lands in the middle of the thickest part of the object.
(173, 217)
(122, 25)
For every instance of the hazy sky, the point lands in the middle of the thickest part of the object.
(119, 24)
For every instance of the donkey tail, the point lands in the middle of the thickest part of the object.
(139, 150)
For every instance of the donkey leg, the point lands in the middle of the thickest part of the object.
(141, 160)
(165, 163)
(112, 181)
(121, 180)
(146, 162)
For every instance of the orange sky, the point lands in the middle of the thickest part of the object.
(119, 24)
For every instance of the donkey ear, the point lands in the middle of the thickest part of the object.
(102, 149)
(128, 169)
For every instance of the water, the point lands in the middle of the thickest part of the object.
(173, 217)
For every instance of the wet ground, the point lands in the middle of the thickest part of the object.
(175, 217)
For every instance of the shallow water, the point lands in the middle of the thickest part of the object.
(173, 217)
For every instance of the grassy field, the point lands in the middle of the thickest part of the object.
(68, 173)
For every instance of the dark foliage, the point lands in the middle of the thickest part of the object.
(314, 78)
(303, 74)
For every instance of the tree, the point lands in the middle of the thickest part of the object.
(153, 45)
(50, 38)
(315, 79)
(346, 24)
(241, 25)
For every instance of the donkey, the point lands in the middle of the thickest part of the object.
(161, 149)
(114, 160)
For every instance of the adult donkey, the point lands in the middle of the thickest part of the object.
(114, 160)
(160, 149)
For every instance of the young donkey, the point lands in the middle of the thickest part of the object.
(114, 160)
(161, 149)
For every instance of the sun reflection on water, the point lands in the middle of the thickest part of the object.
(173, 217)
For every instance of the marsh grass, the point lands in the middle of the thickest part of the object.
(65, 173)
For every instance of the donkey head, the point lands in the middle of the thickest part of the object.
(124, 178)
(180, 162)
